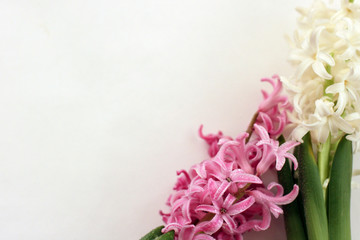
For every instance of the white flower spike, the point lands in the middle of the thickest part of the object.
(325, 89)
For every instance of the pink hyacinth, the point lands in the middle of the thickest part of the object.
(224, 196)
(274, 152)
(224, 210)
(273, 109)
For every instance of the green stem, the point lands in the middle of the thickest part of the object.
(250, 128)
(241, 192)
(323, 161)
(328, 82)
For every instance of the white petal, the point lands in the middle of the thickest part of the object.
(324, 108)
(298, 133)
(338, 15)
(335, 88)
(314, 39)
(296, 103)
(322, 133)
(303, 66)
(326, 58)
(354, 73)
(341, 103)
(353, 137)
(342, 124)
(333, 128)
(353, 116)
(348, 53)
(316, 123)
(320, 70)
(288, 85)
(353, 93)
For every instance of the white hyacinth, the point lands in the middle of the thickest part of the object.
(325, 89)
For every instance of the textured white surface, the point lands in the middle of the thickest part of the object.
(100, 102)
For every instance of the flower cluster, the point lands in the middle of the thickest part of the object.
(325, 88)
(225, 195)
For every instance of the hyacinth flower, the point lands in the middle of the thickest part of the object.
(325, 91)
(230, 197)
(225, 196)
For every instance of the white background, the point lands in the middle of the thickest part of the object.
(100, 102)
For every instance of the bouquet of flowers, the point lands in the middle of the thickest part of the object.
(307, 136)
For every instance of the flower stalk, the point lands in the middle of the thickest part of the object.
(323, 161)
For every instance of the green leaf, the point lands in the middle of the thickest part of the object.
(293, 222)
(339, 190)
(153, 234)
(167, 236)
(312, 193)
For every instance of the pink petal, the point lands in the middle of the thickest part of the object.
(230, 222)
(177, 204)
(289, 197)
(187, 232)
(237, 150)
(276, 210)
(280, 161)
(228, 201)
(286, 146)
(261, 131)
(265, 223)
(265, 162)
(266, 121)
(206, 208)
(241, 206)
(221, 190)
(186, 211)
(277, 200)
(213, 187)
(213, 225)
(279, 188)
(239, 176)
(293, 159)
(248, 226)
(281, 124)
(171, 226)
(202, 237)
